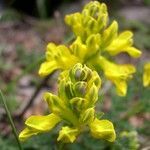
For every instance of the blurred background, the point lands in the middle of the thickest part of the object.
(26, 26)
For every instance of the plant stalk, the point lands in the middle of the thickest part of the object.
(10, 119)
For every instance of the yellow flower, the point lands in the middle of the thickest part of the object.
(146, 75)
(74, 107)
(123, 43)
(118, 74)
(85, 51)
(61, 57)
(57, 57)
(103, 129)
(38, 124)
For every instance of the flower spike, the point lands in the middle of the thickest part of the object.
(74, 107)
(95, 37)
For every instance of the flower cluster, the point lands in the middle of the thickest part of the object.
(78, 85)
(74, 106)
(95, 41)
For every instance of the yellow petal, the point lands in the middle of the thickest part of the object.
(59, 107)
(38, 124)
(26, 133)
(78, 48)
(134, 52)
(93, 43)
(75, 22)
(48, 67)
(67, 134)
(125, 35)
(118, 74)
(103, 129)
(73, 19)
(110, 34)
(92, 95)
(57, 57)
(146, 75)
(55, 104)
(42, 123)
(51, 51)
(121, 87)
(123, 43)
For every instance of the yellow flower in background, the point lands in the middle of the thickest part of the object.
(146, 75)
(94, 38)
(74, 107)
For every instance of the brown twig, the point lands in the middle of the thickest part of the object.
(30, 102)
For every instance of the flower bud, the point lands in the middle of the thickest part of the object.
(109, 34)
(54, 102)
(78, 48)
(87, 116)
(78, 104)
(80, 73)
(69, 90)
(93, 44)
(92, 20)
(80, 89)
(92, 95)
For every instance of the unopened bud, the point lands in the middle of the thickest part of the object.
(78, 103)
(80, 89)
(87, 116)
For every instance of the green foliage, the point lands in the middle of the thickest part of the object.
(10, 15)
(147, 2)
(7, 144)
(26, 59)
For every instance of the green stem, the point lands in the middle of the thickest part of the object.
(41, 7)
(61, 146)
(10, 120)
